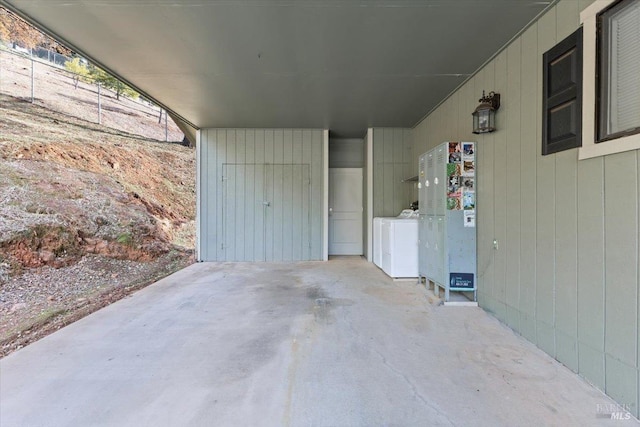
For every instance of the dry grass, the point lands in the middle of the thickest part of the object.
(54, 89)
(72, 195)
(92, 179)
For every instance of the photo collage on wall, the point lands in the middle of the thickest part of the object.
(461, 193)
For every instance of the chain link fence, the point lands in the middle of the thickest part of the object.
(39, 76)
(47, 55)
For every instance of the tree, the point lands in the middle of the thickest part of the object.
(98, 75)
(79, 70)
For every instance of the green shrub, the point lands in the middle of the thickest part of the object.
(79, 70)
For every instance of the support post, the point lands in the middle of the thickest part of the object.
(99, 104)
(32, 80)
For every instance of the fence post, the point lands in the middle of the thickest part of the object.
(166, 126)
(99, 104)
(32, 79)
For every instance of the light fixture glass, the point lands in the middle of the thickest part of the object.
(484, 116)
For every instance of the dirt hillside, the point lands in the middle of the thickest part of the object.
(87, 214)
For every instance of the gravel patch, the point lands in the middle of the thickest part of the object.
(42, 300)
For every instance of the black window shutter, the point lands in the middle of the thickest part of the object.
(562, 95)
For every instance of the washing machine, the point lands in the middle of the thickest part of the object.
(377, 241)
(395, 250)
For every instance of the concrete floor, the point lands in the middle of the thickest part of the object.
(326, 344)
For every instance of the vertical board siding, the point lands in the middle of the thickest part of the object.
(399, 167)
(250, 202)
(241, 190)
(486, 212)
(591, 280)
(410, 170)
(545, 204)
(259, 224)
(484, 221)
(500, 200)
(298, 188)
(277, 209)
(392, 163)
(565, 274)
(306, 203)
(513, 193)
(621, 276)
(389, 183)
(317, 188)
(214, 188)
(621, 241)
(243, 168)
(567, 18)
(566, 253)
(529, 152)
(269, 150)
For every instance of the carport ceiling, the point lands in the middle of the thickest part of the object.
(344, 65)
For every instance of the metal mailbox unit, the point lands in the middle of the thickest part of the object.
(447, 233)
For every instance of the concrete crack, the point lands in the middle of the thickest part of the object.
(399, 373)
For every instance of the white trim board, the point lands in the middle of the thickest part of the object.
(369, 179)
(325, 201)
(590, 149)
(198, 242)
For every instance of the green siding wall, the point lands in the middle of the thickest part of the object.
(392, 163)
(281, 166)
(565, 274)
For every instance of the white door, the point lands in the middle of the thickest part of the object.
(345, 211)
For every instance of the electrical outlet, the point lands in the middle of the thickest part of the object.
(495, 244)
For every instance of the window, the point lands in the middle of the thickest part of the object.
(618, 47)
(611, 78)
(562, 99)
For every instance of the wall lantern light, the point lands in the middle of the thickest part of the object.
(484, 116)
